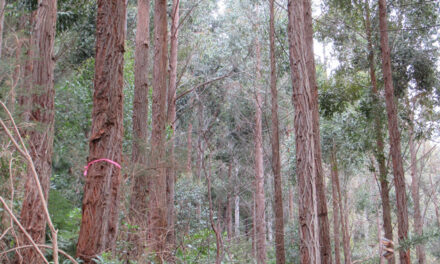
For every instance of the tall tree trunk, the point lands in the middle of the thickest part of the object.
(324, 227)
(335, 197)
(171, 118)
(291, 213)
(418, 222)
(276, 162)
(157, 200)
(236, 207)
(138, 202)
(393, 129)
(259, 169)
(42, 114)
(379, 153)
(99, 222)
(304, 129)
(229, 204)
(338, 196)
(189, 150)
(2, 17)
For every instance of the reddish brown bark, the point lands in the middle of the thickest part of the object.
(260, 220)
(171, 117)
(379, 153)
(324, 227)
(276, 162)
(342, 213)
(418, 222)
(138, 202)
(335, 197)
(42, 115)
(157, 200)
(393, 129)
(2, 17)
(305, 146)
(101, 190)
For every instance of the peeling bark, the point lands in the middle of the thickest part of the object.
(42, 115)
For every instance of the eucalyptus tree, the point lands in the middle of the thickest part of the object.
(100, 215)
(305, 145)
(42, 104)
(138, 204)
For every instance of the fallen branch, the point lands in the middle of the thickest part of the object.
(24, 152)
(23, 230)
(41, 246)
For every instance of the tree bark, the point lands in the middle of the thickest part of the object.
(236, 208)
(100, 217)
(157, 201)
(189, 150)
(138, 202)
(171, 117)
(276, 162)
(42, 115)
(324, 226)
(2, 17)
(393, 129)
(418, 222)
(304, 129)
(379, 153)
(229, 204)
(336, 224)
(260, 220)
(291, 213)
(344, 224)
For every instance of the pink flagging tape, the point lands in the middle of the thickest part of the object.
(98, 160)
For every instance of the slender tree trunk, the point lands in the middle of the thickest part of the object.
(229, 204)
(171, 117)
(189, 150)
(379, 153)
(393, 129)
(215, 226)
(418, 222)
(236, 208)
(138, 202)
(324, 227)
(276, 162)
(344, 223)
(291, 213)
(259, 169)
(335, 197)
(157, 186)
(2, 17)
(101, 191)
(305, 145)
(41, 137)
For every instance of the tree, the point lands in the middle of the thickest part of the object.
(324, 228)
(305, 145)
(157, 185)
(393, 129)
(379, 153)
(171, 120)
(41, 135)
(260, 222)
(100, 214)
(2, 18)
(276, 162)
(138, 203)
